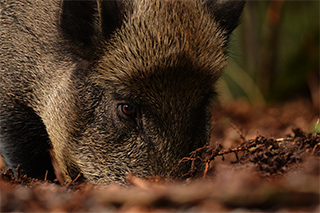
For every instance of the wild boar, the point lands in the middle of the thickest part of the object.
(111, 87)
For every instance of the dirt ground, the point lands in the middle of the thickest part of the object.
(260, 159)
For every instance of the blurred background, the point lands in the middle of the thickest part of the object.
(274, 53)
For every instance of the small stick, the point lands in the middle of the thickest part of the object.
(46, 175)
(18, 171)
(77, 178)
(315, 147)
(284, 139)
(230, 150)
(239, 132)
(236, 154)
(315, 127)
(206, 169)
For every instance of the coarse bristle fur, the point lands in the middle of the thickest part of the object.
(109, 87)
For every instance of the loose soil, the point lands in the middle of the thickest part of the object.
(259, 159)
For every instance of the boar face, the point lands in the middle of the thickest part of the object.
(146, 120)
(157, 76)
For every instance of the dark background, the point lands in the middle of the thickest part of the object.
(274, 53)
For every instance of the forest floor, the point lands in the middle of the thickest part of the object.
(260, 159)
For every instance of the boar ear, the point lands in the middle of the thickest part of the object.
(85, 23)
(226, 13)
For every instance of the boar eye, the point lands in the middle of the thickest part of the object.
(127, 110)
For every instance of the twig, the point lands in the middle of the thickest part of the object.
(284, 139)
(240, 148)
(315, 127)
(46, 175)
(79, 175)
(239, 132)
(206, 169)
(18, 171)
(314, 148)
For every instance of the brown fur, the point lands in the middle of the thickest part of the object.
(66, 67)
